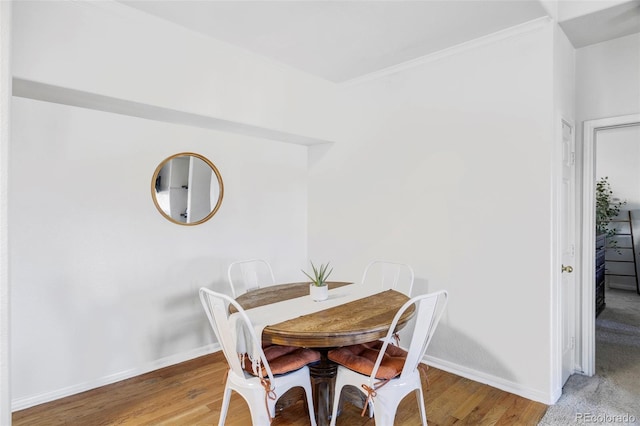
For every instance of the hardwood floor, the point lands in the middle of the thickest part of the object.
(191, 394)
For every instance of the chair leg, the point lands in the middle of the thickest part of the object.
(385, 415)
(421, 407)
(336, 403)
(309, 404)
(423, 368)
(225, 405)
(261, 413)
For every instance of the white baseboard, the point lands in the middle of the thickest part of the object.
(491, 380)
(30, 401)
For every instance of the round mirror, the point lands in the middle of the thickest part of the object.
(187, 188)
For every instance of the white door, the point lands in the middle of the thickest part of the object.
(567, 238)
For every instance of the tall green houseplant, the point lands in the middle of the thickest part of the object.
(606, 207)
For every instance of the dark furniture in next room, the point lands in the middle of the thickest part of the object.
(599, 285)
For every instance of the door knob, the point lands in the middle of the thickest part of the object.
(568, 269)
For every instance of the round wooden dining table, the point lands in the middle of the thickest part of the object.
(359, 321)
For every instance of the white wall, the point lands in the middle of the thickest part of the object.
(607, 82)
(106, 48)
(103, 287)
(5, 101)
(565, 76)
(447, 166)
(618, 158)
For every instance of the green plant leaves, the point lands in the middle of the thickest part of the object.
(606, 207)
(320, 274)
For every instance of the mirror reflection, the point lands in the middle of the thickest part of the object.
(187, 188)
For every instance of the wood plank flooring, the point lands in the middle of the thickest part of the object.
(191, 394)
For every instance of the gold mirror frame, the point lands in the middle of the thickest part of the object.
(155, 181)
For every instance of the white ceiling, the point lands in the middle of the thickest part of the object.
(342, 40)
(606, 24)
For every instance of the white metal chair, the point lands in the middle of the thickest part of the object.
(387, 381)
(389, 275)
(261, 392)
(245, 275)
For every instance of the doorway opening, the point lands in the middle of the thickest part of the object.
(587, 320)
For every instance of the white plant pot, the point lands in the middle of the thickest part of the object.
(319, 293)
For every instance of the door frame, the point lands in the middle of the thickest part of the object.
(572, 233)
(558, 312)
(588, 320)
(5, 106)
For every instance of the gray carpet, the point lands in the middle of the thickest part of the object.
(612, 395)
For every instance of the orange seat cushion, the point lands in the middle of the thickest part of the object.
(284, 359)
(362, 357)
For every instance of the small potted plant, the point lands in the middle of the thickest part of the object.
(318, 288)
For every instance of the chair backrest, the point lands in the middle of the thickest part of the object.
(389, 275)
(245, 275)
(429, 310)
(216, 306)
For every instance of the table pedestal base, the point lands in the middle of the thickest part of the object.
(323, 380)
